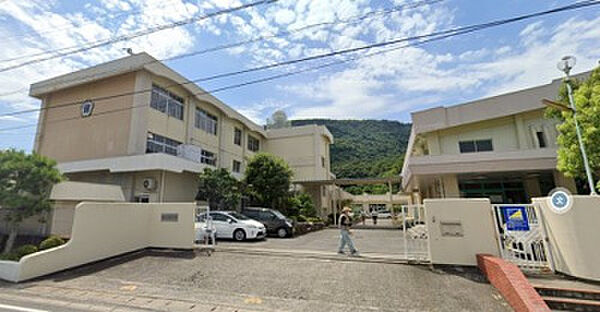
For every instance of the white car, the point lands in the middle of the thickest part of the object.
(384, 214)
(230, 224)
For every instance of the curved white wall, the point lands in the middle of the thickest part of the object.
(574, 236)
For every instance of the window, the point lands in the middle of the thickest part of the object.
(237, 166)
(142, 198)
(475, 146)
(541, 139)
(159, 144)
(166, 102)
(206, 121)
(208, 158)
(253, 143)
(218, 217)
(237, 136)
(323, 161)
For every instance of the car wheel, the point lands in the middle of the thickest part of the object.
(282, 232)
(239, 235)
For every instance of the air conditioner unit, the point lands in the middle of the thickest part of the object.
(149, 184)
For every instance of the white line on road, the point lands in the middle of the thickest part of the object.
(21, 309)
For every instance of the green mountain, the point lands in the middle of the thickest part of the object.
(365, 148)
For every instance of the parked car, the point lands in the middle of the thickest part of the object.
(384, 214)
(230, 224)
(274, 220)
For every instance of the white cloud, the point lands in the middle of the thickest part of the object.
(284, 16)
(48, 30)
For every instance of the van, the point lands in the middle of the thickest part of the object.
(275, 222)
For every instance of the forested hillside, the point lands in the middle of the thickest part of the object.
(365, 148)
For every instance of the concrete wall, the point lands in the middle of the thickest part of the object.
(99, 136)
(574, 236)
(459, 229)
(103, 230)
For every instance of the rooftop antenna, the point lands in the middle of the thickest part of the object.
(129, 51)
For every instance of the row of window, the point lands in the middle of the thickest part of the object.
(166, 102)
(171, 104)
(159, 144)
(474, 146)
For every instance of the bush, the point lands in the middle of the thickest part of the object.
(314, 220)
(301, 218)
(9, 257)
(25, 250)
(51, 242)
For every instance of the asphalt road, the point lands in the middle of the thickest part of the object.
(162, 281)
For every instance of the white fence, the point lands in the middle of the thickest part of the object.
(414, 232)
(522, 237)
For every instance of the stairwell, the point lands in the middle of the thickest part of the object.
(570, 299)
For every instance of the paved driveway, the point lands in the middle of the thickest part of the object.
(385, 244)
(163, 281)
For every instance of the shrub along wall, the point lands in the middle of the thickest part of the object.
(306, 227)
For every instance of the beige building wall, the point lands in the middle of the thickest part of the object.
(66, 136)
(106, 134)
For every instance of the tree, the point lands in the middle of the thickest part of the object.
(26, 181)
(278, 120)
(268, 179)
(219, 189)
(304, 205)
(587, 103)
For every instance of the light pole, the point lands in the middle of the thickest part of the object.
(565, 65)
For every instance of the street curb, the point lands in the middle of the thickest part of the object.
(319, 255)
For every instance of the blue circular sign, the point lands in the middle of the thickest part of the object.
(560, 200)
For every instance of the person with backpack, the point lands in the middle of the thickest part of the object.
(345, 223)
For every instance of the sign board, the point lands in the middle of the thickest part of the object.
(560, 200)
(516, 218)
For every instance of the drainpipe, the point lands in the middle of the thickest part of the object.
(162, 187)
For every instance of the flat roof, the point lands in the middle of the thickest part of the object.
(132, 63)
(498, 106)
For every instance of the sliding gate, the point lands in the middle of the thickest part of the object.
(414, 233)
(522, 237)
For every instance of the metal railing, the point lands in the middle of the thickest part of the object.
(522, 237)
(414, 232)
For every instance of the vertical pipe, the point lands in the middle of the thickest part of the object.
(404, 231)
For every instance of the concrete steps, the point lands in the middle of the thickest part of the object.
(570, 299)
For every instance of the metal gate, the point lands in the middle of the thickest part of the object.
(522, 237)
(414, 231)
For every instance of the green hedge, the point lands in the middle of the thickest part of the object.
(51, 242)
(19, 253)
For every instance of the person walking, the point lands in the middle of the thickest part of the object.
(363, 216)
(345, 222)
(374, 215)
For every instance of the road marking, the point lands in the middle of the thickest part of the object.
(16, 308)
(128, 288)
(253, 300)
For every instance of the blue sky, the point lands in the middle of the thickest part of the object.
(386, 86)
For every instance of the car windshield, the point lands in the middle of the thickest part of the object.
(238, 216)
(278, 214)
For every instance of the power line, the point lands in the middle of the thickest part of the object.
(144, 32)
(55, 30)
(445, 33)
(351, 20)
(235, 86)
